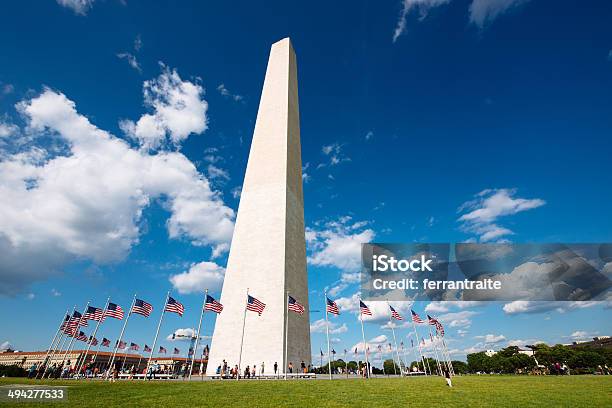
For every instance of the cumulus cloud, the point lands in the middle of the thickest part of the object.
(531, 307)
(422, 6)
(7, 129)
(6, 345)
(491, 338)
(458, 319)
(178, 111)
(338, 243)
(87, 202)
(182, 334)
(481, 214)
(372, 343)
(483, 12)
(80, 7)
(319, 326)
(200, 276)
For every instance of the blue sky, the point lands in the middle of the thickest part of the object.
(413, 114)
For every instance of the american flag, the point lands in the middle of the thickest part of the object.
(93, 341)
(142, 308)
(206, 351)
(365, 310)
(332, 307)
(105, 342)
(394, 314)
(390, 348)
(162, 350)
(174, 306)
(212, 305)
(333, 352)
(94, 313)
(255, 305)
(82, 336)
(435, 322)
(190, 353)
(75, 321)
(176, 351)
(411, 343)
(379, 348)
(65, 323)
(122, 344)
(147, 349)
(416, 318)
(134, 346)
(355, 350)
(115, 311)
(294, 306)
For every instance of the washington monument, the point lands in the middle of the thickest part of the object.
(268, 252)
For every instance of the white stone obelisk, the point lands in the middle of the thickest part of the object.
(268, 252)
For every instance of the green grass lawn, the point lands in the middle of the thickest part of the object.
(468, 391)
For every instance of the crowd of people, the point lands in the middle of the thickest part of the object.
(225, 370)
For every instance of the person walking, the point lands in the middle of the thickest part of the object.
(275, 367)
(447, 377)
(262, 368)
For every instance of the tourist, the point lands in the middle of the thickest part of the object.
(303, 366)
(253, 371)
(247, 372)
(290, 367)
(447, 376)
(262, 368)
(275, 367)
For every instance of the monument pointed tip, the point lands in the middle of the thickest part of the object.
(284, 41)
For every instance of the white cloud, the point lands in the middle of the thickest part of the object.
(481, 214)
(529, 307)
(7, 129)
(582, 335)
(216, 173)
(423, 6)
(458, 319)
(483, 12)
(338, 244)
(236, 191)
(30, 296)
(491, 338)
(369, 135)
(335, 154)
(182, 334)
(178, 111)
(200, 276)
(55, 293)
(87, 204)
(6, 345)
(131, 59)
(80, 7)
(318, 326)
(225, 92)
(372, 344)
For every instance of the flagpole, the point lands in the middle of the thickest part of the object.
(112, 360)
(242, 337)
(327, 334)
(161, 318)
(435, 348)
(416, 335)
(345, 360)
(76, 333)
(382, 361)
(286, 330)
(450, 362)
(365, 345)
(195, 347)
(44, 364)
(93, 336)
(55, 353)
(47, 359)
(395, 341)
